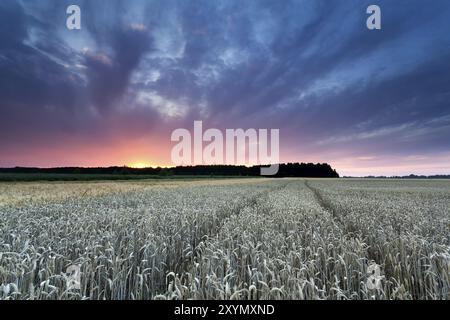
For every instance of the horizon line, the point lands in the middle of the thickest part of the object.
(227, 165)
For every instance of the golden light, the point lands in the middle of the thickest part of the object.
(139, 165)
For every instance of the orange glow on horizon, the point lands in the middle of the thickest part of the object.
(140, 165)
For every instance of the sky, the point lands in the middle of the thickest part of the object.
(368, 102)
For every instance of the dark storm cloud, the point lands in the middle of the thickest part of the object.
(37, 90)
(109, 76)
(49, 88)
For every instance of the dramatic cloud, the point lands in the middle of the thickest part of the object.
(366, 101)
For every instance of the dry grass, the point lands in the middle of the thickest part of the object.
(23, 193)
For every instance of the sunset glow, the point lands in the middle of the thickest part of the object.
(140, 165)
(368, 102)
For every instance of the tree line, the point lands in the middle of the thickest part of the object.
(318, 170)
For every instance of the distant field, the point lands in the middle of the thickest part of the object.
(226, 239)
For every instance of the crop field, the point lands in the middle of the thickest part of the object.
(226, 239)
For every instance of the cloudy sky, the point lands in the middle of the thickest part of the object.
(367, 102)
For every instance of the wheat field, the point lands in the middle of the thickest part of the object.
(226, 239)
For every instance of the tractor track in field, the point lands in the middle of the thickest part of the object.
(347, 226)
(323, 203)
(206, 233)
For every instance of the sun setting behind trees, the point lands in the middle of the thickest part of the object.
(140, 165)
